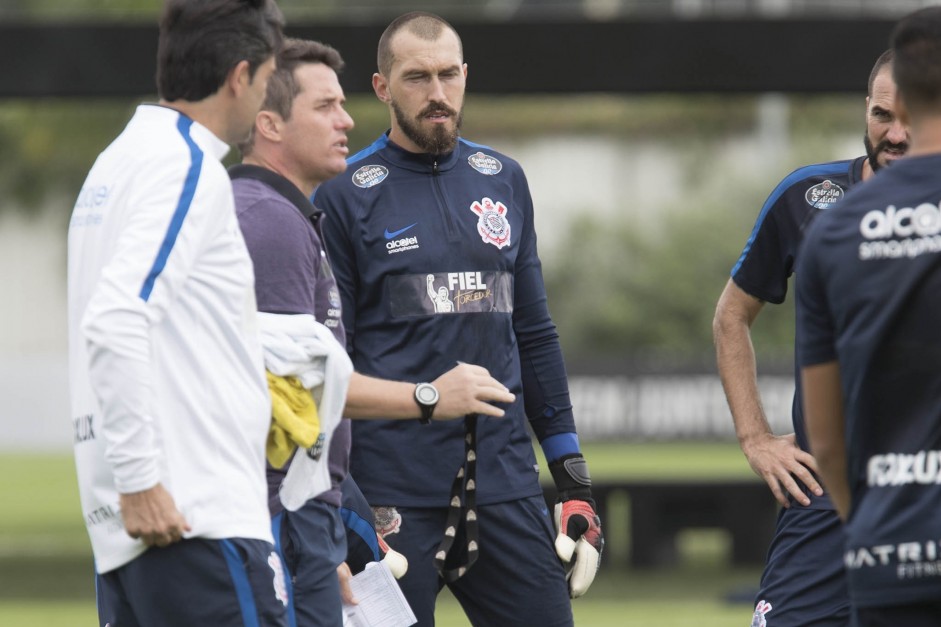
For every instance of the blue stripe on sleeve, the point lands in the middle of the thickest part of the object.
(374, 147)
(473, 144)
(354, 522)
(555, 446)
(243, 588)
(182, 207)
(821, 169)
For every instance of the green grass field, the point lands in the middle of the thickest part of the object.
(46, 568)
(664, 460)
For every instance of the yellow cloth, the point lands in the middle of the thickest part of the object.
(294, 419)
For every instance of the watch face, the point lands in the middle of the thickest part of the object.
(426, 394)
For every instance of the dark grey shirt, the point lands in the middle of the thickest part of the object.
(292, 276)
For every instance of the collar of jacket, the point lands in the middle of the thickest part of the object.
(279, 184)
(422, 162)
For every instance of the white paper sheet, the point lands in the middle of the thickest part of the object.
(380, 601)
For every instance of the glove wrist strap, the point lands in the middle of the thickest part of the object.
(571, 478)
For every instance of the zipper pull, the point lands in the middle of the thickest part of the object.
(434, 168)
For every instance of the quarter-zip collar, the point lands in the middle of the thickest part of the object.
(423, 162)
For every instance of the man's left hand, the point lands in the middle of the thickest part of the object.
(579, 543)
(345, 575)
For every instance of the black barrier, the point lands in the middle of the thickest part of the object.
(747, 55)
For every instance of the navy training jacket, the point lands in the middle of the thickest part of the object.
(435, 258)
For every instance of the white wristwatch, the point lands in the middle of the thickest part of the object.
(426, 395)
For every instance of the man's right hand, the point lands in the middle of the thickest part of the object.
(469, 389)
(151, 516)
(778, 460)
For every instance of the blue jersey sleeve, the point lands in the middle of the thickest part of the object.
(545, 383)
(767, 261)
(769, 257)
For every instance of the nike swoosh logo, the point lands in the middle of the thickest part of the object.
(391, 234)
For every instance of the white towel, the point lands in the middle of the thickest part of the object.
(297, 345)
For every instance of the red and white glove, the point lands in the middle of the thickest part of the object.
(579, 542)
(579, 537)
(397, 563)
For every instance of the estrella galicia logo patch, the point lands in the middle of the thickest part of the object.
(370, 176)
(492, 224)
(485, 164)
(823, 195)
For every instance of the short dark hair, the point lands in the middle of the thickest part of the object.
(884, 59)
(916, 41)
(282, 85)
(425, 25)
(202, 40)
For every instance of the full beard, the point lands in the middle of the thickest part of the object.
(439, 139)
(872, 152)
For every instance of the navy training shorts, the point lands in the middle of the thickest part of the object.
(517, 580)
(362, 546)
(235, 582)
(804, 583)
(313, 543)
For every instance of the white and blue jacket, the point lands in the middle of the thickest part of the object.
(167, 375)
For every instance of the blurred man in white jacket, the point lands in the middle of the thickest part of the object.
(168, 390)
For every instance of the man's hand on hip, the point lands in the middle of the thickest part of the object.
(151, 516)
(782, 464)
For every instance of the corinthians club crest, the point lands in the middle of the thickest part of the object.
(492, 225)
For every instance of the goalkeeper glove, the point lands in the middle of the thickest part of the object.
(397, 563)
(579, 527)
